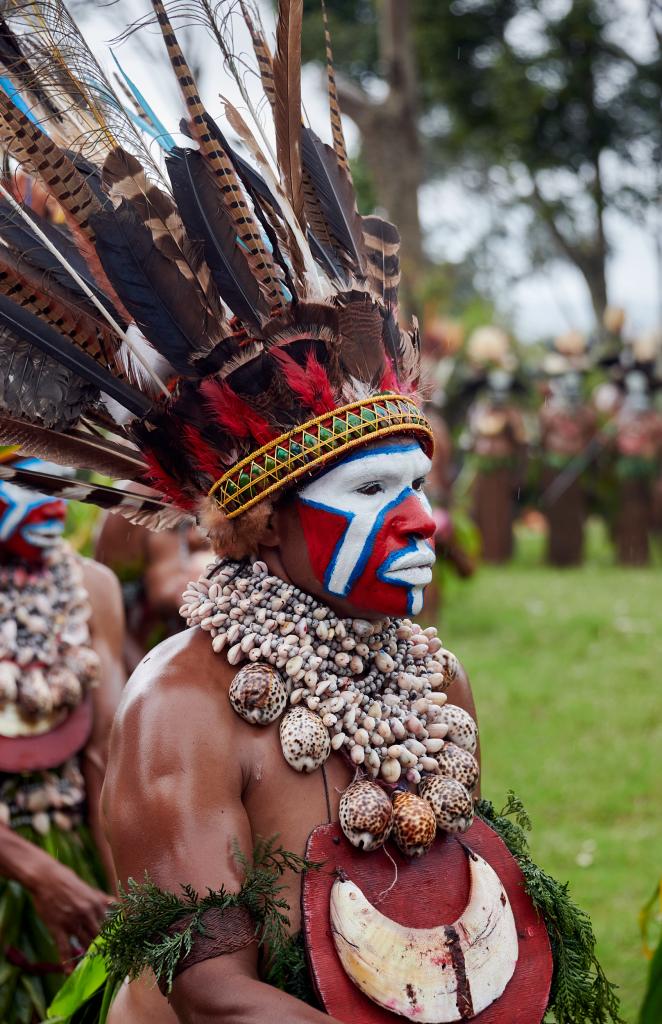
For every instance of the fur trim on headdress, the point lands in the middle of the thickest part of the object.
(234, 538)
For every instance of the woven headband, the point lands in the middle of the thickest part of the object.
(313, 444)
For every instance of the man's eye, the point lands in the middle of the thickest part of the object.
(369, 489)
(419, 484)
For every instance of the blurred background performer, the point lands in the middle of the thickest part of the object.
(567, 424)
(153, 569)
(61, 629)
(498, 446)
(638, 445)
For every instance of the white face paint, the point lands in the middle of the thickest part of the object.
(367, 525)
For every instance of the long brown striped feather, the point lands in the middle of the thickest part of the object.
(29, 289)
(75, 448)
(334, 107)
(287, 112)
(283, 233)
(232, 194)
(151, 512)
(41, 156)
(32, 148)
(262, 54)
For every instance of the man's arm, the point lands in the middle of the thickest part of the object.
(107, 637)
(173, 800)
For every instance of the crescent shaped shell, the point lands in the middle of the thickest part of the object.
(450, 802)
(414, 824)
(257, 693)
(366, 815)
(304, 739)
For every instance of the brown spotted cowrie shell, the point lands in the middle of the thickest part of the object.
(414, 824)
(450, 802)
(450, 666)
(257, 693)
(462, 729)
(366, 815)
(456, 763)
(304, 739)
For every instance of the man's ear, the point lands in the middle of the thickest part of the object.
(271, 534)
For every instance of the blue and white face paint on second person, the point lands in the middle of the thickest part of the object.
(30, 522)
(368, 528)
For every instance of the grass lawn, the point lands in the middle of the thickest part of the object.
(566, 666)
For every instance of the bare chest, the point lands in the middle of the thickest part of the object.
(288, 804)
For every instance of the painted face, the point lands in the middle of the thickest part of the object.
(29, 522)
(367, 526)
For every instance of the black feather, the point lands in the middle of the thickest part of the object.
(30, 328)
(336, 197)
(207, 222)
(151, 286)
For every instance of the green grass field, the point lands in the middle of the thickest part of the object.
(566, 666)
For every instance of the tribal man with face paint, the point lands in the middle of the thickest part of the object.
(357, 538)
(60, 680)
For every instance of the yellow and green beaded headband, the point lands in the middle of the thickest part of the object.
(314, 443)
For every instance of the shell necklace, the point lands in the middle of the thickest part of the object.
(46, 663)
(373, 690)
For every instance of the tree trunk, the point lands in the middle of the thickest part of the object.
(390, 140)
(589, 260)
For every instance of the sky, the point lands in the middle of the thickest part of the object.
(538, 305)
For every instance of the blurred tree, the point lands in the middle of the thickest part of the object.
(549, 105)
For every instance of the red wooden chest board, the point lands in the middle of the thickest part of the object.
(430, 891)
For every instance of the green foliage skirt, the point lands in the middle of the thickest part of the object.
(27, 952)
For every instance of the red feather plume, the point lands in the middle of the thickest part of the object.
(164, 483)
(234, 414)
(203, 455)
(311, 384)
(389, 381)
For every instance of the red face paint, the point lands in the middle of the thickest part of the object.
(29, 523)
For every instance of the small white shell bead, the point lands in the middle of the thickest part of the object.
(304, 739)
(257, 693)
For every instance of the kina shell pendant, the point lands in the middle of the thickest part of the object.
(257, 694)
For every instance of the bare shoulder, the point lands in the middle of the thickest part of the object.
(185, 665)
(100, 582)
(175, 706)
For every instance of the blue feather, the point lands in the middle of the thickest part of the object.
(10, 89)
(158, 131)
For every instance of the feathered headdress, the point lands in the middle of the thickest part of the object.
(214, 327)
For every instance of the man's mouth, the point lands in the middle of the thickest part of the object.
(43, 536)
(412, 568)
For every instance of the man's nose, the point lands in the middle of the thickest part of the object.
(414, 519)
